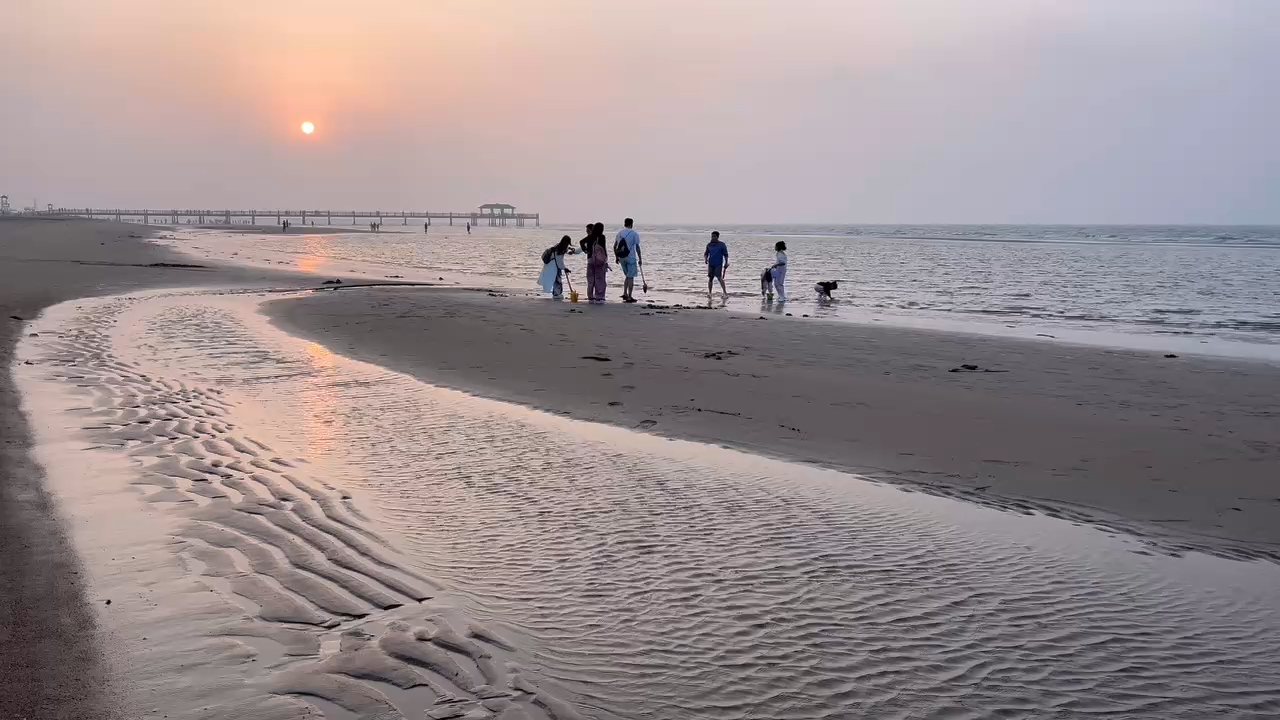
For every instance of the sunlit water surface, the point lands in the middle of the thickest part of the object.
(1193, 288)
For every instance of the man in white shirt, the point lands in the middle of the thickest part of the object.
(629, 258)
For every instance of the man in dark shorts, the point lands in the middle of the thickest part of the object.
(717, 259)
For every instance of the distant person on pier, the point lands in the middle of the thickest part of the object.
(716, 257)
(597, 250)
(553, 266)
(626, 249)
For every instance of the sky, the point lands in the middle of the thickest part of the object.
(728, 111)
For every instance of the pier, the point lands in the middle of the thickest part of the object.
(492, 215)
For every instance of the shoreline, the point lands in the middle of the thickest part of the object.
(242, 249)
(1171, 449)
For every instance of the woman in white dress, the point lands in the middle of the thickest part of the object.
(553, 266)
(779, 271)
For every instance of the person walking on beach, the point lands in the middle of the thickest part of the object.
(626, 249)
(597, 251)
(717, 259)
(468, 228)
(779, 270)
(553, 266)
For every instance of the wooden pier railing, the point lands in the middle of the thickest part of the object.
(206, 217)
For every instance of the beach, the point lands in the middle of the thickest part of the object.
(1184, 447)
(51, 662)
(236, 492)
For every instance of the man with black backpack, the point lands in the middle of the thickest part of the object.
(626, 250)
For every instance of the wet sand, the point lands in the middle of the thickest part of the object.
(1182, 449)
(283, 529)
(50, 662)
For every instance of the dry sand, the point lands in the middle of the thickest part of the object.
(1186, 449)
(50, 662)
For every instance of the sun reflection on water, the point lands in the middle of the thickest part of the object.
(318, 400)
(315, 249)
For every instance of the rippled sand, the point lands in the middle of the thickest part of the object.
(374, 547)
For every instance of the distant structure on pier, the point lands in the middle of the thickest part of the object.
(497, 213)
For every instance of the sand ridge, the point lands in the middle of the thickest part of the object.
(1184, 447)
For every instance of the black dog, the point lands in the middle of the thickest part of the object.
(766, 281)
(824, 289)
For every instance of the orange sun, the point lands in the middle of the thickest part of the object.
(308, 127)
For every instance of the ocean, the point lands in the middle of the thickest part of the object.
(1193, 288)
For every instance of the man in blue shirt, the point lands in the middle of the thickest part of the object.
(717, 259)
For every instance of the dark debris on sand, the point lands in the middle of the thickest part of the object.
(974, 369)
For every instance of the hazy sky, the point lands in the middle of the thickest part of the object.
(669, 110)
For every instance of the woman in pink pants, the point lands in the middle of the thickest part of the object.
(597, 264)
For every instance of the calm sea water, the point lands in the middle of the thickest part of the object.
(1163, 286)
